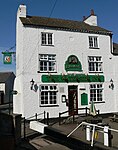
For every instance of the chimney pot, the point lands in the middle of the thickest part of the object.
(92, 12)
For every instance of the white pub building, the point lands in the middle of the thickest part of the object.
(63, 65)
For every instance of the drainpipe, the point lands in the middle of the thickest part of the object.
(111, 43)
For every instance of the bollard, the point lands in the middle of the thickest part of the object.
(88, 133)
(106, 137)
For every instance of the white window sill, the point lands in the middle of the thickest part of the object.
(95, 71)
(53, 105)
(94, 48)
(47, 44)
(46, 71)
(97, 102)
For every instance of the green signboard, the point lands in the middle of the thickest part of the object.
(7, 57)
(72, 78)
(73, 64)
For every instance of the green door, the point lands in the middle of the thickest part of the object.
(84, 99)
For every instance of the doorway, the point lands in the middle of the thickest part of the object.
(73, 100)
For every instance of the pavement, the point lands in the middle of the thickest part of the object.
(41, 143)
(44, 142)
(80, 134)
(49, 142)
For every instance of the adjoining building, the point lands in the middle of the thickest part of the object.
(6, 87)
(63, 65)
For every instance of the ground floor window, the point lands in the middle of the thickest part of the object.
(48, 95)
(96, 92)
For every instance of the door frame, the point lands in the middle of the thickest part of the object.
(72, 93)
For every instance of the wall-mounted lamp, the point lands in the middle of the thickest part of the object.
(32, 84)
(111, 86)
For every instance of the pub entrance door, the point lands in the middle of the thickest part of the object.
(73, 99)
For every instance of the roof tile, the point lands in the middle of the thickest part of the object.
(62, 24)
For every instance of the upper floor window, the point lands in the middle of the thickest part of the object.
(47, 63)
(96, 92)
(46, 38)
(95, 63)
(93, 42)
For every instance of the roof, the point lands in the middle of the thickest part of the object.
(5, 75)
(62, 24)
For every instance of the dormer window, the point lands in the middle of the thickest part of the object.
(93, 42)
(47, 38)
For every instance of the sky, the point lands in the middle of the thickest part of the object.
(106, 11)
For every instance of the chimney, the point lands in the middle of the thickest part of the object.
(21, 11)
(92, 19)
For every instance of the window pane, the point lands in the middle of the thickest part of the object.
(47, 63)
(50, 39)
(93, 42)
(91, 66)
(51, 66)
(95, 64)
(53, 97)
(90, 42)
(44, 38)
(48, 95)
(96, 91)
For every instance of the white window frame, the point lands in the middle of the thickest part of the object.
(48, 95)
(95, 64)
(47, 63)
(47, 38)
(96, 92)
(93, 42)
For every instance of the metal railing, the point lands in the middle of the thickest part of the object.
(26, 131)
(74, 110)
(106, 130)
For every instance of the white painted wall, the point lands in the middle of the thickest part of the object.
(66, 43)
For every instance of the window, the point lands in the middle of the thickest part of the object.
(47, 63)
(93, 42)
(96, 92)
(47, 38)
(48, 95)
(1, 97)
(95, 63)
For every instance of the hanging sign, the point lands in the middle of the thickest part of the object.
(7, 57)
